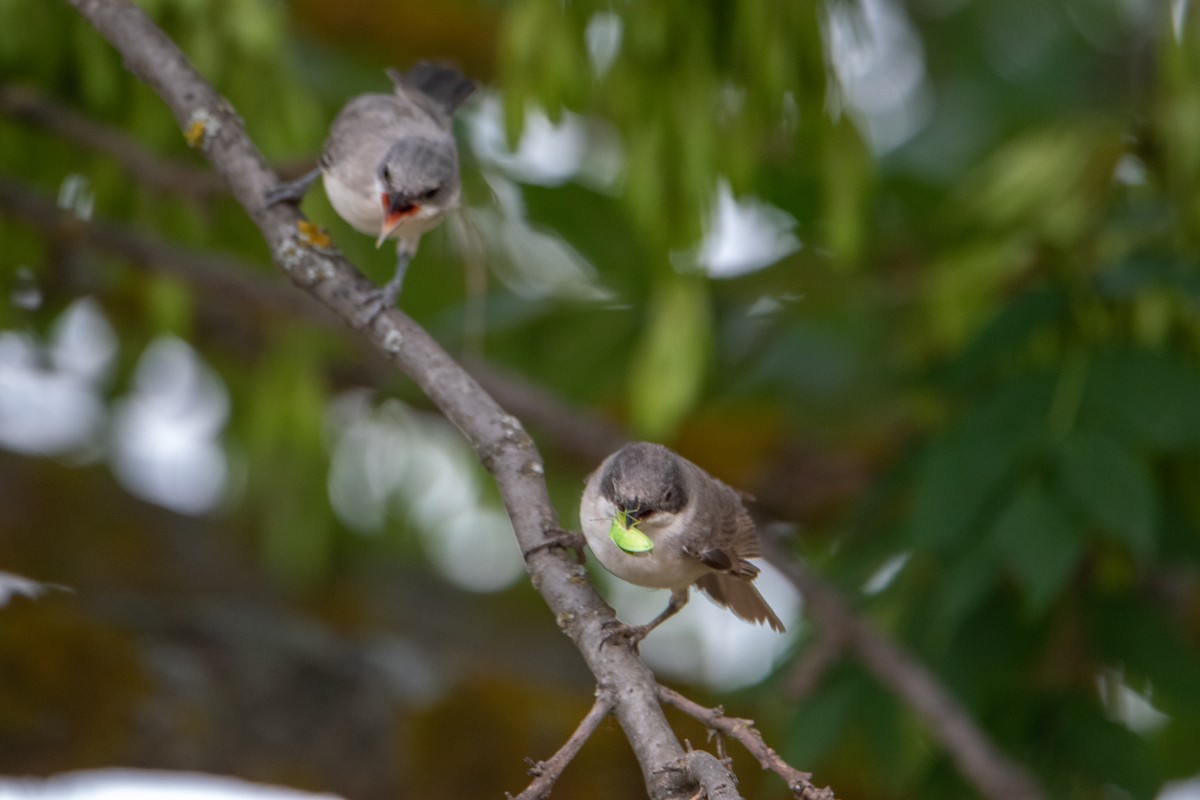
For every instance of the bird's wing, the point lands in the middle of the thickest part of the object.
(366, 127)
(723, 535)
(737, 528)
(740, 597)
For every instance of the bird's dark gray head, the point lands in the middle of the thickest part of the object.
(417, 171)
(644, 479)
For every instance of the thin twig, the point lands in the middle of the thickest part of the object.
(165, 175)
(548, 771)
(973, 753)
(225, 276)
(744, 732)
(817, 658)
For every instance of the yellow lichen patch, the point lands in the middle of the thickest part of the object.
(313, 234)
(194, 135)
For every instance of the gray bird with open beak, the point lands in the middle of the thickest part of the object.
(655, 519)
(390, 164)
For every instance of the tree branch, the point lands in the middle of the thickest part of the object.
(224, 276)
(743, 731)
(547, 772)
(167, 176)
(977, 759)
(586, 436)
(501, 443)
(715, 780)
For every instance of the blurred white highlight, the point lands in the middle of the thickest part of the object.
(137, 784)
(388, 458)
(743, 236)
(165, 443)
(50, 400)
(879, 63)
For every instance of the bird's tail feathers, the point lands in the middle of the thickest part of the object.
(740, 597)
(443, 84)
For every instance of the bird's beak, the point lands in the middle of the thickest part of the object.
(626, 535)
(396, 209)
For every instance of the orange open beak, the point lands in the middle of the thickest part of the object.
(395, 210)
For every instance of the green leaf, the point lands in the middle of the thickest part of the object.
(836, 705)
(668, 365)
(847, 177)
(967, 469)
(1112, 486)
(1040, 544)
(966, 583)
(1010, 329)
(1149, 398)
(1045, 182)
(1125, 280)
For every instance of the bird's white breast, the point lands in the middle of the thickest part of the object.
(665, 567)
(362, 208)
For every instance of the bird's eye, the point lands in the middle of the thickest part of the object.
(386, 174)
(428, 195)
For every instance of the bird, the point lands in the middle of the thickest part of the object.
(655, 519)
(390, 164)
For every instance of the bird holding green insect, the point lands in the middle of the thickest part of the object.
(655, 519)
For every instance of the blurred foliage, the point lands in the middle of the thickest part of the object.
(985, 357)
